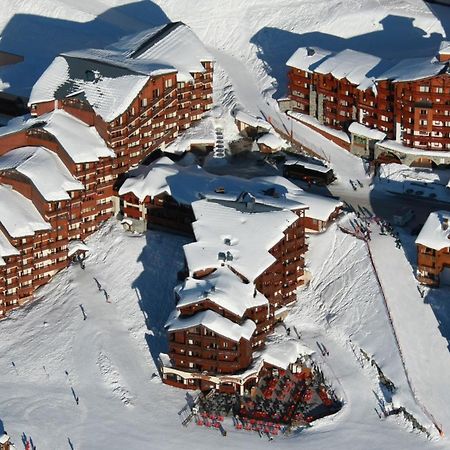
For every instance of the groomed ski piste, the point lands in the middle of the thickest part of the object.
(78, 371)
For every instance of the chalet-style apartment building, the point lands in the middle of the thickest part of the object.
(241, 272)
(155, 196)
(433, 250)
(394, 112)
(95, 114)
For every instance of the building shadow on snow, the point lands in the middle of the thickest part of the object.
(162, 258)
(39, 39)
(438, 299)
(398, 36)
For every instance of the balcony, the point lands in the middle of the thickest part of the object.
(426, 260)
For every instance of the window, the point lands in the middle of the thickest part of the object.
(144, 102)
(424, 88)
(168, 83)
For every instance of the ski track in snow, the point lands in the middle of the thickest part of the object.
(113, 379)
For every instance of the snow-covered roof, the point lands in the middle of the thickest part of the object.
(362, 130)
(45, 170)
(174, 44)
(399, 147)
(351, 65)
(77, 246)
(17, 124)
(319, 207)
(308, 165)
(6, 249)
(413, 69)
(222, 287)
(150, 180)
(250, 119)
(435, 232)
(4, 438)
(214, 322)
(272, 141)
(81, 142)
(444, 48)
(307, 58)
(306, 118)
(110, 79)
(285, 353)
(18, 214)
(109, 91)
(191, 183)
(240, 239)
(363, 69)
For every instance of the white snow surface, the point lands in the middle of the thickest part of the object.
(222, 287)
(111, 375)
(18, 214)
(435, 232)
(45, 170)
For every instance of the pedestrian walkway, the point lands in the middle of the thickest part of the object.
(425, 353)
